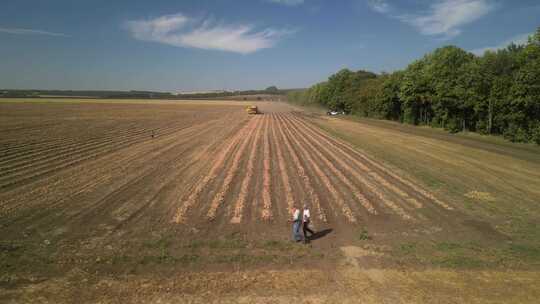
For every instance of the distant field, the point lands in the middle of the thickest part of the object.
(123, 101)
(145, 201)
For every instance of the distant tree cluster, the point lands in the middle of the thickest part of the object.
(497, 93)
(6, 93)
(270, 90)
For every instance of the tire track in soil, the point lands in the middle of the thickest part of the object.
(180, 216)
(101, 132)
(189, 129)
(29, 151)
(373, 189)
(166, 143)
(48, 161)
(169, 191)
(46, 158)
(283, 169)
(16, 129)
(306, 138)
(59, 162)
(34, 218)
(266, 213)
(345, 146)
(194, 159)
(337, 197)
(308, 185)
(246, 182)
(106, 129)
(35, 190)
(368, 184)
(134, 187)
(60, 145)
(219, 197)
(109, 209)
(278, 191)
(412, 201)
(77, 146)
(191, 142)
(100, 209)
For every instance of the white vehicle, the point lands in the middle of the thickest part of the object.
(333, 113)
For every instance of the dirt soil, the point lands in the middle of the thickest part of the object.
(185, 202)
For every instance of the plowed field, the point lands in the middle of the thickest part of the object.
(72, 167)
(135, 202)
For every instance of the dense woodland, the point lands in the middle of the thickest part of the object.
(497, 93)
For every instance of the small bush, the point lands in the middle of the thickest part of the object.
(364, 235)
(515, 133)
(481, 127)
(535, 135)
(453, 125)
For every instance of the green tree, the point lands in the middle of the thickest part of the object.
(525, 93)
(497, 93)
(390, 103)
(444, 68)
(416, 93)
(272, 89)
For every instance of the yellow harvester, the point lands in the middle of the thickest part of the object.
(252, 110)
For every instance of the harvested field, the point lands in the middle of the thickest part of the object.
(343, 185)
(99, 191)
(216, 164)
(68, 166)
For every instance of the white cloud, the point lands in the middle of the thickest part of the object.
(159, 29)
(287, 2)
(446, 17)
(443, 18)
(240, 39)
(517, 40)
(21, 31)
(380, 6)
(182, 31)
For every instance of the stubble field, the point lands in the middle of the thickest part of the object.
(128, 167)
(93, 194)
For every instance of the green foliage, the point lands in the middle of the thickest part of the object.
(390, 103)
(497, 93)
(364, 235)
(535, 137)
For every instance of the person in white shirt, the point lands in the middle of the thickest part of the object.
(296, 225)
(306, 219)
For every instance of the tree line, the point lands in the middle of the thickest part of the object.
(496, 93)
(9, 93)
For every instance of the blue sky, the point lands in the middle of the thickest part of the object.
(175, 45)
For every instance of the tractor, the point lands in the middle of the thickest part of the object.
(252, 110)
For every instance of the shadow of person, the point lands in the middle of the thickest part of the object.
(320, 234)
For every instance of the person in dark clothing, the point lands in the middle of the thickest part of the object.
(306, 219)
(297, 222)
